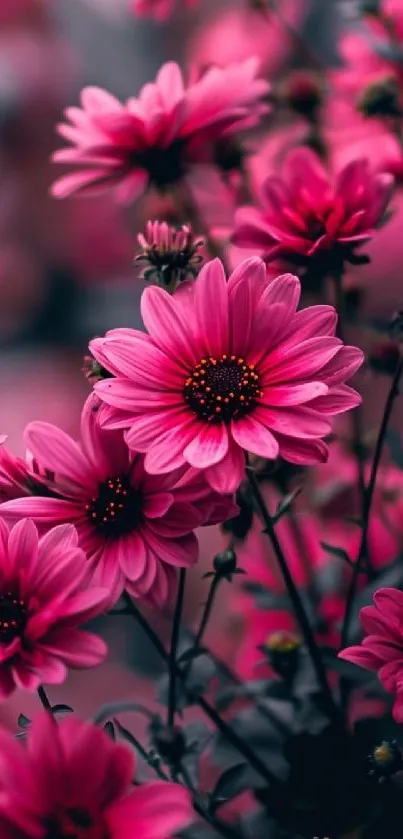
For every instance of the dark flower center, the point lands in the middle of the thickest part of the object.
(222, 389)
(13, 617)
(164, 166)
(77, 823)
(117, 507)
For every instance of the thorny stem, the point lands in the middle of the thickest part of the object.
(44, 699)
(189, 212)
(224, 727)
(174, 648)
(368, 498)
(294, 596)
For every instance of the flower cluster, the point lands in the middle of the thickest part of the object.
(222, 452)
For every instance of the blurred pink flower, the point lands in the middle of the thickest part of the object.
(45, 595)
(73, 780)
(308, 222)
(382, 648)
(227, 367)
(370, 53)
(238, 32)
(336, 497)
(152, 139)
(135, 529)
(159, 10)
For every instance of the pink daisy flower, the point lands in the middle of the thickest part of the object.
(71, 780)
(310, 222)
(152, 139)
(382, 648)
(136, 529)
(227, 367)
(45, 596)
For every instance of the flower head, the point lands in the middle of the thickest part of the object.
(46, 593)
(171, 254)
(382, 648)
(227, 367)
(154, 138)
(135, 529)
(71, 781)
(310, 222)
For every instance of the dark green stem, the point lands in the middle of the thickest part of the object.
(356, 413)
(368, 498)
(173, 650)
(294, 596)
(44, 699)
(225, 728)
(207, 611)
(214, 821)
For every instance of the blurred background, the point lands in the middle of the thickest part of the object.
(66, 270)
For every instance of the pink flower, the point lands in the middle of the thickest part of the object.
(135, 529)
(382, 648)
(72, 780)
(159, 10)
(152, 139)
(227, 367)
(46, 593)
(370, 53)
(309, 222)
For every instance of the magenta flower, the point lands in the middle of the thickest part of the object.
(136, 529)
(227, 367)
(71, 780)
(310, 222)
(159, 10)
(46, 593)
(382, 648)
(152, 139)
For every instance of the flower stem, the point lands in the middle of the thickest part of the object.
(294, 595)
(224, 727)
(368, 498)
(189, 212)
(215, 821)
(44, 699)
(174, 648)
(356, 413)
(216, 579)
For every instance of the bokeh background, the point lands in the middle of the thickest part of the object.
(66, 271)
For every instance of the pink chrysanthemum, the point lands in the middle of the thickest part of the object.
(382, 648)
(136, 529)
(159, 10)
(227, 367)
(310, 222)
(71, 781)
(46, 593)
(153, 139)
